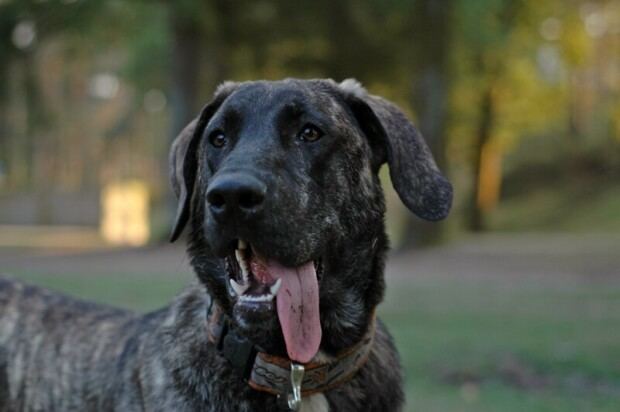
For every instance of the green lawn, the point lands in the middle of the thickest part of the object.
(490, 346)
(578, 208)
(467, 344)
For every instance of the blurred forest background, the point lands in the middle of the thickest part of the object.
(517, 306)
(519, 100)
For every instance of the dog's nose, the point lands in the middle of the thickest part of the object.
(236, 194)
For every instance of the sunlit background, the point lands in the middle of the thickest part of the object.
(511, 304)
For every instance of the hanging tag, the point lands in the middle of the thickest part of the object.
(297, 376)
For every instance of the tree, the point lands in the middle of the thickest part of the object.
(24, 26)
(432, 23)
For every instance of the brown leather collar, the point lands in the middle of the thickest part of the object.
(274, 374)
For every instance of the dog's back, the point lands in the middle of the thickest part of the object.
(52, 345)
(63, 354)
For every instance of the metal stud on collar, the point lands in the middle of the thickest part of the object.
(297, 376)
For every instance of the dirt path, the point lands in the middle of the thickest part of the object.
(593, 257)
(524, 255)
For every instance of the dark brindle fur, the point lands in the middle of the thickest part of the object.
(323, 202)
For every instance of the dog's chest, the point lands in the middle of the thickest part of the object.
(315, 403)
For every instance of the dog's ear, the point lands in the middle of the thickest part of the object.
(415, 176)
(184, 160)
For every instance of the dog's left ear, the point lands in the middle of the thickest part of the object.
(183, 158)
(415, 176)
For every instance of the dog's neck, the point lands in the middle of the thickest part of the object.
(353, 289)
(281, 376)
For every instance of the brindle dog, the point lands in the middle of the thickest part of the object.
(278, 183)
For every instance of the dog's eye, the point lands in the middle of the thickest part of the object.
(217, 139)
(310, 133)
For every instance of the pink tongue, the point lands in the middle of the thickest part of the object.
(298, 309)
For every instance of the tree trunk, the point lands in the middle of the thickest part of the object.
(38, 148)
(186, 47)
(223, 40)
(483, 169)
(431, 39)
(4, 128)
(341, 34)
(186, 35)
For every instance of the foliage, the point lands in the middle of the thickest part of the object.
(514, 71)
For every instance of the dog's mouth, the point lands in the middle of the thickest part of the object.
(258, 281)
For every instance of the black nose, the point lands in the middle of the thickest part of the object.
(235, 195)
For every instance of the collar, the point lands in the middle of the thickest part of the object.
(279, 375)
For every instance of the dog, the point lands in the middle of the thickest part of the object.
(278, 185)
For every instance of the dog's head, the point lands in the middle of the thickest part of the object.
(279, 181)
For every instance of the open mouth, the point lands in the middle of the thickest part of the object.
(250, 277)
(257, 281)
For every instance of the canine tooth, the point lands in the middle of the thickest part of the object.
(242, 244)
(275, 287)
(239, 256)
(245, 272)
(239, 289)
(243, 265)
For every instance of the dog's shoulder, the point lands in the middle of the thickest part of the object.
(379, 382)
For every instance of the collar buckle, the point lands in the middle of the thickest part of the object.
(294, 396)
(239, 351)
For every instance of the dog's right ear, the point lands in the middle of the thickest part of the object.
(184, 160)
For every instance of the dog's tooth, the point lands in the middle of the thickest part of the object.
(239, 256)
(243, 265)
(252, 298)
(245, 272)
(275, 287)
(264, 298)
(242, 244)
(239, 289)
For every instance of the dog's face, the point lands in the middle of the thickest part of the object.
(279, 181)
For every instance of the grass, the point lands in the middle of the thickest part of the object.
(136, 291)
(467, 344)
(580, 207)
(483, 345)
